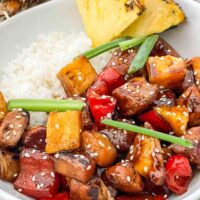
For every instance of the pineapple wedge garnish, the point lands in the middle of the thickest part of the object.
(105, 20)
(159, 16)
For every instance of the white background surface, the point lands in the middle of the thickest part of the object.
(62, 15)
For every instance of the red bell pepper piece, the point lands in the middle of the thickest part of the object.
(140, 197)
(112, 78)
(60, 196)
(178, 174)
(101, 106)
(37, 177)
(155, 120)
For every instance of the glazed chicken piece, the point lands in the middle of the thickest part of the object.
(166, 71)
(191, 99)
(124, 177)
(196, 68)
(35, 137)
(9, 165)
(100, 147)
(193, 154)
(79, 166)
(135, 96)
(12, 128)
(95, 189)
(165, 97)
(162, 48)
(37, 177)
(121, 139)
(121, 61)
(146, 156)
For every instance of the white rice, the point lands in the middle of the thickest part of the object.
(32, 74)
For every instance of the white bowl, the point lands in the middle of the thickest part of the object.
(62, 15)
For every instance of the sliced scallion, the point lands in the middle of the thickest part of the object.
(148, 132)
(131, 43)
(44, 105)
(103, 48)
(143, 54)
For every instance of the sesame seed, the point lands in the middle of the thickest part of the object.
(82, 156)
(41, 185)
(122, 161)
(196, 141)
(125, 60)
(44, 157)
(88, 167)
(117, 146)
(18, 117)
(165, 196)
(15, 175)
(115, 53)
(38, 186)
(189, 132)
(142, 137)
(113, 63)
(183, 127)
(27, 155)
(14, 132)
(131, 158)
(162, 58)
(57, 126)
(33, 178)
(8, 137)
(53, 174)
(109, 147)
(57, 155)
(195, 73)
(185, 113)
(145, 169)
(100, 142)
(88, 146)
(151, 92)
(19, 190)
(157, 150)
(20, 125)
(128, 178)
(168, 51)
(43, 173)
(11, 126)
(153, 154)
(109, 115)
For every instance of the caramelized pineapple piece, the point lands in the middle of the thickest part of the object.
(166, 71)
(196, 68)
(77, 165)
(123, 176)
(77, 77)
(147, 158)
(3, 109)
(158, 16)
(99, 147)
(96, 12)
(191, 99)
(63, 131)
(176, 116)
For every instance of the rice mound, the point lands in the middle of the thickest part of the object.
(32, 74)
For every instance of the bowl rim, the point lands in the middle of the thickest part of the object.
(12, 19)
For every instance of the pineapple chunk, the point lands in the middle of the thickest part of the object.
(176, 116)
(146, 155)
(196, 68)
(3, 109)
(106, 19)
(159, 16)
(63, 131)
(77, 77)
(166, 71)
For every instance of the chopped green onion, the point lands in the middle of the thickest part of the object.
(103, 48)
(44, 105)
(143, 54)
(131, 43)
(149, 132)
